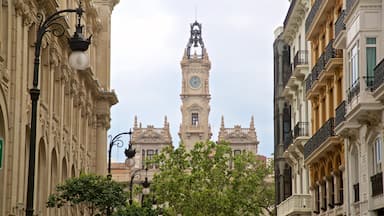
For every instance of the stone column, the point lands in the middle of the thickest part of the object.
(337, 188)
(101, 143)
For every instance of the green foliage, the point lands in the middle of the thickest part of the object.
(92, 193)
(209, 181)
(135, 210)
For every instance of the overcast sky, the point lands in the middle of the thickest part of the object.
(148, 41)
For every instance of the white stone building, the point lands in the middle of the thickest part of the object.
(296, 110)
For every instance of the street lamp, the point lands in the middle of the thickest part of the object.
(145, 185)
(130, 153)
(116, 141)
(78, 61)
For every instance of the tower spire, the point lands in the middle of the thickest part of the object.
(222, 122)
(135, 122)
(195, 40)
(252, 126)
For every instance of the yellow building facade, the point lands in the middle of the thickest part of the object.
(324, 151)
(73, 112)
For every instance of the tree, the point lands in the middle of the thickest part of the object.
(91, 193)
(208, 180)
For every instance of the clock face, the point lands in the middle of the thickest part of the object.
(195, 82)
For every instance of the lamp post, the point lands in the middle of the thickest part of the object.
(116, 141)
(78, 60)
(145, 184)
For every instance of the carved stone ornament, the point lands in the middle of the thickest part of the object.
(24, 9)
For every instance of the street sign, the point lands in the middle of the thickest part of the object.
(1, 153)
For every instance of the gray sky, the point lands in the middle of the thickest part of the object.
(148, 41)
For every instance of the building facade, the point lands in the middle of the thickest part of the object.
(359, 118)
(73, 112)
(324, 151)
(281, 119)
(344, 151)
(296, 113)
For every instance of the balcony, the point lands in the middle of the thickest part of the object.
(330, 59)
(295, 204)
(356, 191)
(300, 64)
(325, 132)
(311, 16)
(301, 129)
(340, 114)
(354, 90)
(378, 80)
(308, 83)
(377, 184)
(340, 39)
(318, 15)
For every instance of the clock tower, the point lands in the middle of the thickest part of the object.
(195, 95)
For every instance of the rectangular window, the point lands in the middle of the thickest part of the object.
(377, 155)
(150, 154)
(195, 119)
(371, 60)
(354, 65)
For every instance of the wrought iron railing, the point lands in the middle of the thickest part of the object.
(340, 113)
(301, 58)
(331, 52)
(314, 9)
(301, 129)
(356, 191)
(350, 4)
(369, 82)
(377, 184)
(354, 90)
(319, 66)
(308, 83)
(340, 25)
(290, 10)
(326, 131)
(379, 75)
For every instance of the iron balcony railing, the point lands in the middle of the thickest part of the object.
(369, 82)
(301, 58)
(314, 9)
(288, 140)
(290, 10)
(328, 54)
(354, 90)
(308, 83)
(287, 75)
(356, 191)
(326, 131)
(319, 66)
(350, 4)
(340, 25)
(377, 184)
(379, 75)
(301, 129)
(340, 113)
(331, 52)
